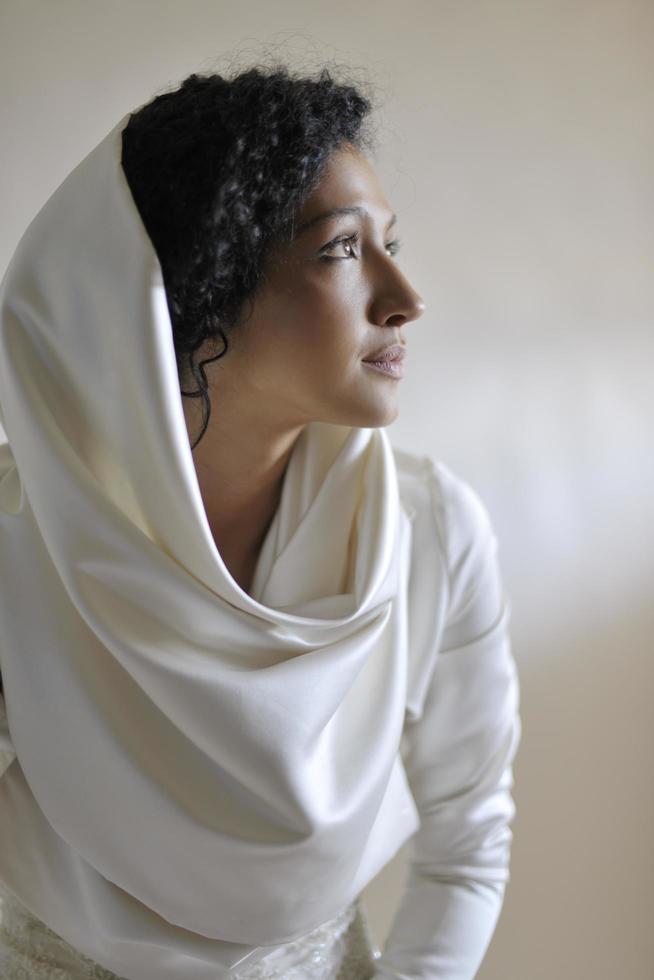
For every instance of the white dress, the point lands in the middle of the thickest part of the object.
(202, 774)
(458, 747)
(340, 949)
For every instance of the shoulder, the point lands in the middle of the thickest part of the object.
(442, 498)
(455, 590)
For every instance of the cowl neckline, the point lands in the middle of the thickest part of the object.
(219, 756)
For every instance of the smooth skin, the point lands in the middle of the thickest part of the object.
(298, 356)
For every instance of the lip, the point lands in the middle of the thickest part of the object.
(395, 352)
(392, 369)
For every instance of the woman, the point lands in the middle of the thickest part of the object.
(247, 652)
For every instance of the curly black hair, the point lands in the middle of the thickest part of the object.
(218, 169)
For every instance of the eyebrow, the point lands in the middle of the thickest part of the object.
(333, 212)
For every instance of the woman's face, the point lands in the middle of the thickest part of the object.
(325, 304)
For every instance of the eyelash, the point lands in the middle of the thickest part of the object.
(395, 246)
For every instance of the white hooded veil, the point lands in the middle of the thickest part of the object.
(200, 772)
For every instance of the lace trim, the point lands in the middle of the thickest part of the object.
(30, 950)
(340, 949)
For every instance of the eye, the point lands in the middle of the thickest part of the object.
(348, 242)
(393, 247)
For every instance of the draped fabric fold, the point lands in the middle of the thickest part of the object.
(213, 765)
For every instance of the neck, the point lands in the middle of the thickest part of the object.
(240, 465)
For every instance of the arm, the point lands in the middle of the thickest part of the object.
(7, 753)
(458, 757)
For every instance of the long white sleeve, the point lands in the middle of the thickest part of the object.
(458, 757)
(7, 751)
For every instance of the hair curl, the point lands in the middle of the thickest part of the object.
(218, 169)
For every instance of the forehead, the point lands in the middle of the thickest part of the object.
(349, 179)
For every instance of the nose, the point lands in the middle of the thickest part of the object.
(412, 310)
(397, 302)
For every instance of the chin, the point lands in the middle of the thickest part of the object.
(362, 407)
(370, 416)
(386, 419)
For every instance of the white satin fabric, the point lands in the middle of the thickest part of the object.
(340, 949)
(200, 774)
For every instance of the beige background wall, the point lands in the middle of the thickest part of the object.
(518, 149)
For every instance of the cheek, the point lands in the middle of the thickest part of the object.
(311, 329)
(327, 350)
